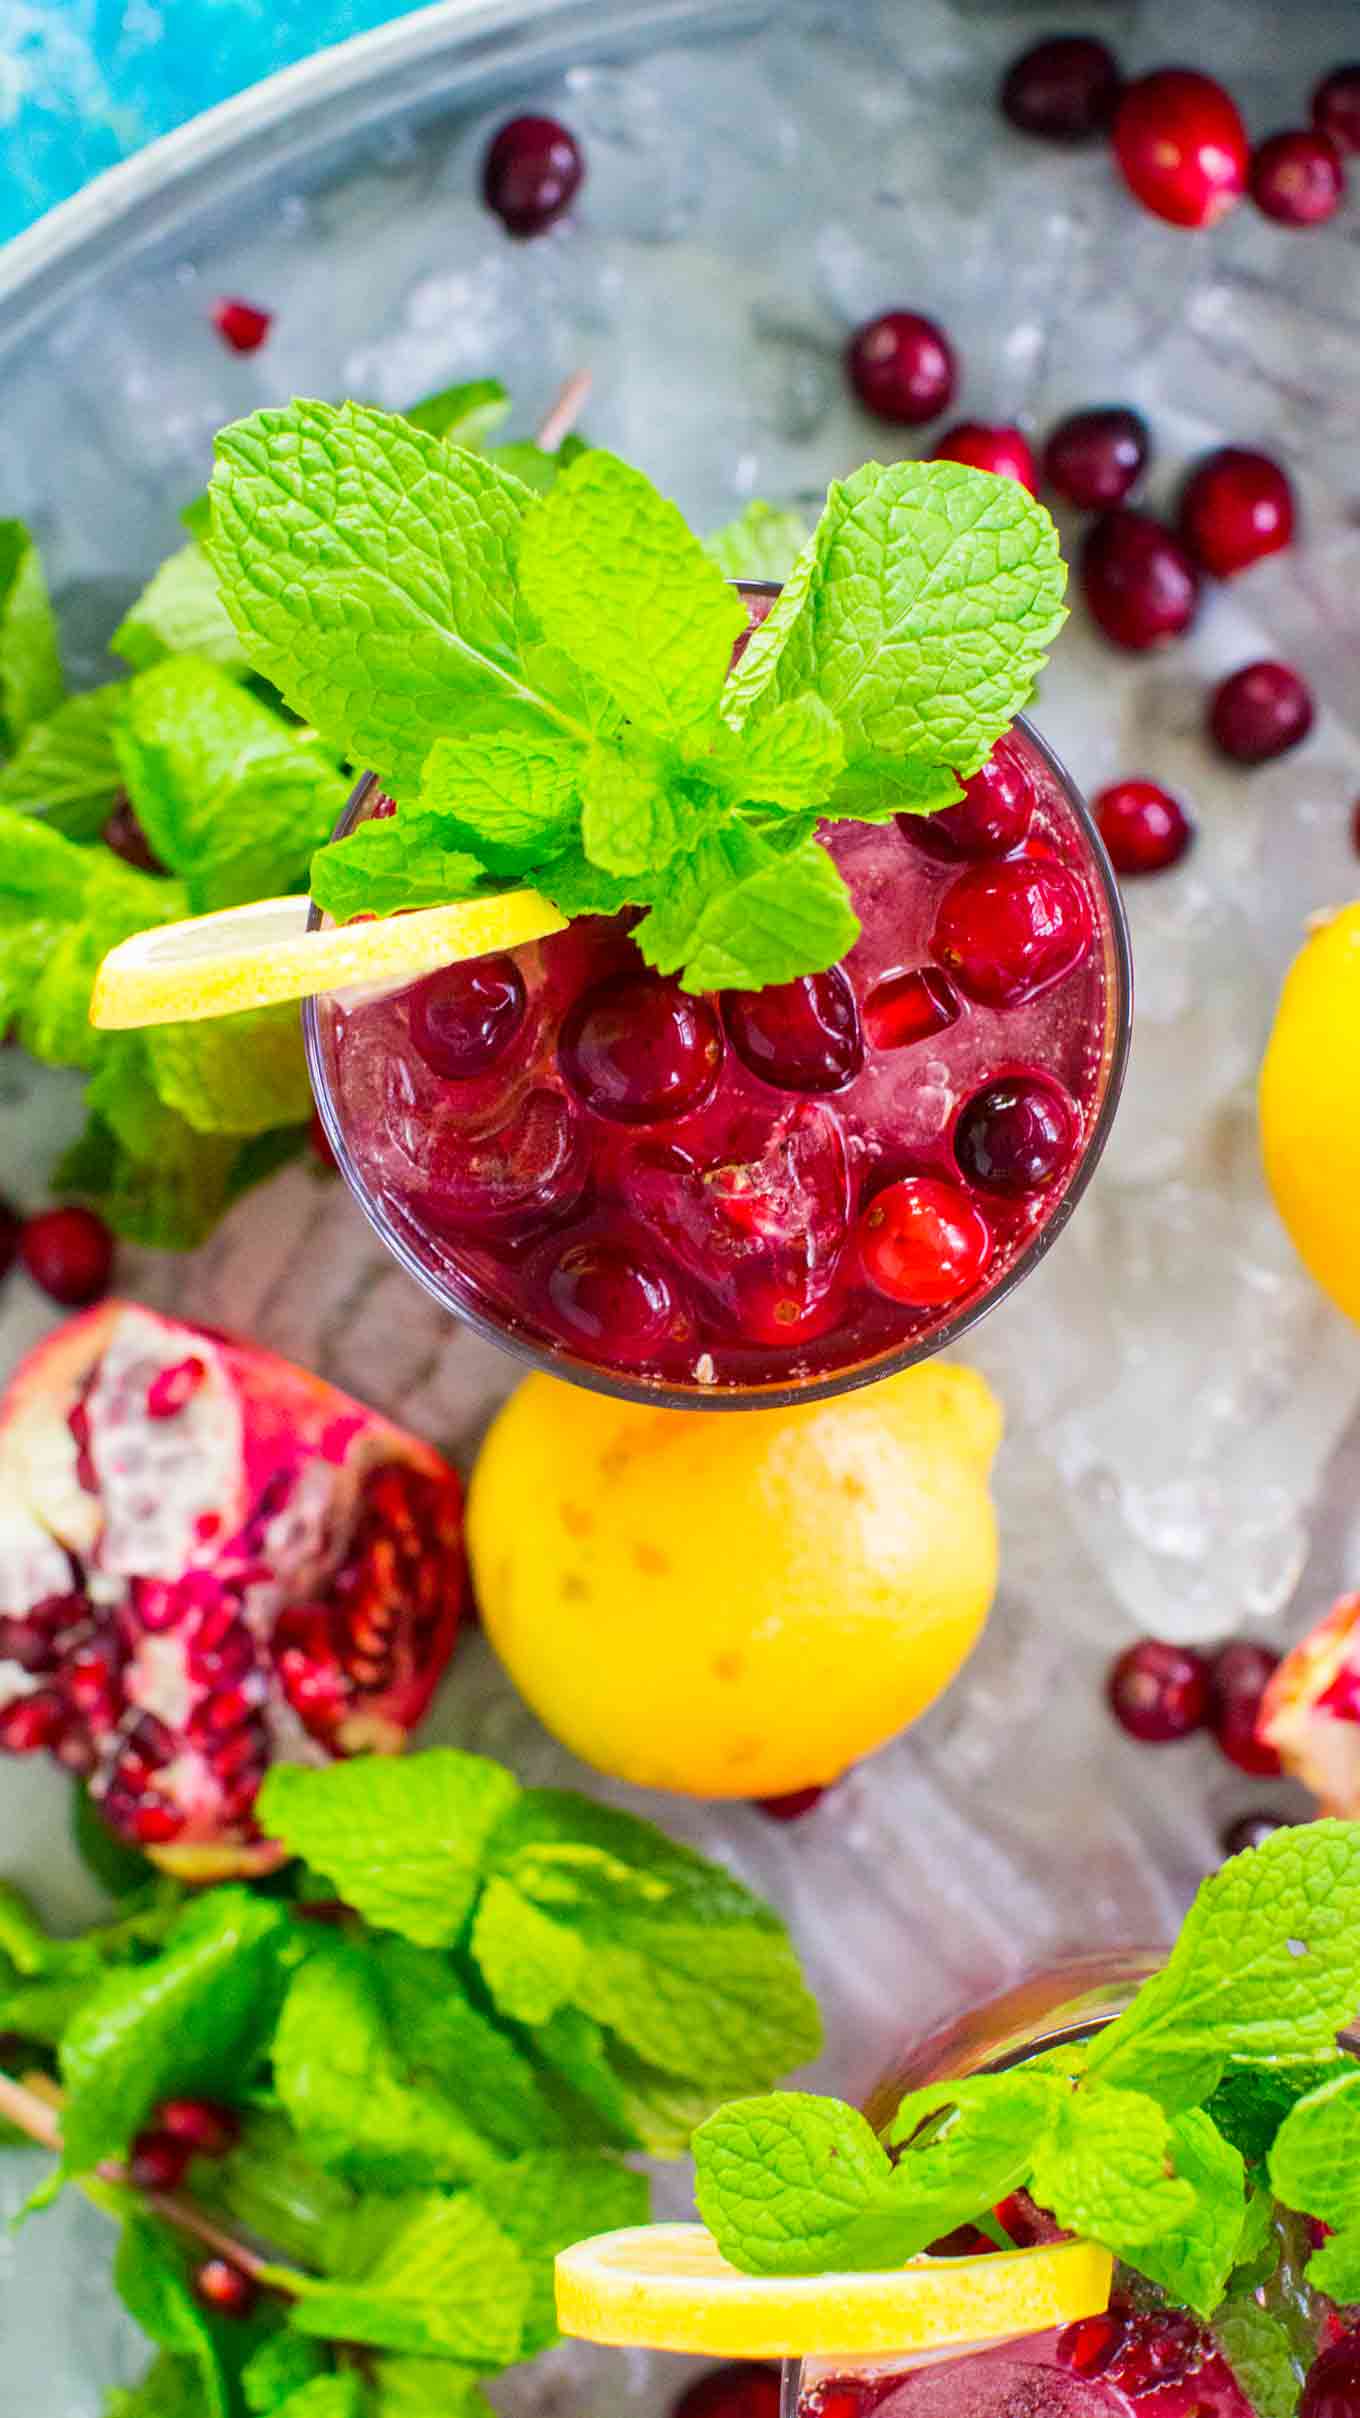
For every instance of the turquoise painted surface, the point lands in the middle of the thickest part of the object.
(84, 82)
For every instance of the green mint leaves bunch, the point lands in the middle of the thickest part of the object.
(541, 681)
(439, 2083)
(1163, 2137)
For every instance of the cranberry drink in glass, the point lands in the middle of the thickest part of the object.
(756, 1196)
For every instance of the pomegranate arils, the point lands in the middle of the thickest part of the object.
(531, 174)
(208, 2127)
(34, 1638)
(792, 1806)
(1336, 107)
(1159, 1692)
(799, 1036)
(902, 368)
(1182, 146)
(1016, 1135)
(910, 1007)
(241, 325)
(158, 2161)
(743, 2389)
(1144, 828)
(1093, 458)
(30, 1723)
(465, 1017)
(1064, 89)
(1236, 507)
(173, 1388)
(1240, 1674)
(640, 1050)
(923, 1241)
(69, 1254)
(1297, 177)
(1260, 712)
(224, 2288)
(1139, 582)
(1002, 450)
(1007, 931)
(610, 1297)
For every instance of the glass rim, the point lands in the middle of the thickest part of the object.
(781, 1394)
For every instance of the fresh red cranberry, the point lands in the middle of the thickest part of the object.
(1002, 450)
(991, 818)
(1093, 458)
(531, 174)
(207, 2126)
(1297, 177)
(638, 1049)
(1007, 931)
(69, 1253)
(1064, 89)
(1158, 1692)
(225, 2288)
(465, 1017)
(11, 1227)
(125, 836)
(1249, 1830)
(792, 1806)
(799, 1036)
(158, 2161)
(319, 1142)
(1139, 582)
(1144, 828)
(902, 368)
(241, 325)
(910, 1007)
(1336, 107)
(1182, 146)
(1332, 2386)
(1240, 1674)
(1236, 507)
(612, 1300)
(743, 2389)
(923, 1241)
(1016, 1135)
(1260, 712)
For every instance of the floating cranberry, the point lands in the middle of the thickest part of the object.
(743, 2389)
(158, 2161)
(792, 1806)
(991, 818)
(1159, 1692)
(1260, 712)
(1016, 1135)
(1248, 1830)
(69, 1253)
(924, 1242)
(1332, 2386)
(1064, 89)
(1182, 146)
(1144, 828)
(531, 174)
(1002, 450)
(639, 1050)
(1093, 458)
(207, 2126)
(241, 325)
(319, 1143)
(125, 836)
(799, 1036)
(1139, 581)
(1297, 177)
(1007, 931)
(1240, 1675)
(612, 1299)
(902, 368)
(910, 1007)
(465, 1017)
(1336, 107)
(225, 2288)
(1236, 507)
(11, 1227)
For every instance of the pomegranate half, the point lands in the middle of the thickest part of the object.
(1310, 1713)
(209, 1561)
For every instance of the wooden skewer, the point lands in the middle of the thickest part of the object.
(565, 411)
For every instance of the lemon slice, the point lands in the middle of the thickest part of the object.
(251, 957)
(668, 2288)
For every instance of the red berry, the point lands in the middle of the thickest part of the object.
(1094, 458)
(208, 2128)
(1016, 1135)
(1139, 581)
(1336, 107)
(1002, 450)
(1297, 177)
(923, 1241)
(800, 1036)
(1064, 89)
(991, 818)
(240, 324)
(637, 1049)
(1236, 507)
(1006, 931)
(69, 1253)
(1182, 146)
(11, 1227)
(613, 1299)
(902, 368)
(792, 1806)
(1260, 712)
(1332, 2386)
(910, 1007)
(1159, 1692)
(224, 2288)
(531, 174)
(158, 2161)
(1239, 1677)
(30, 1723)
(1144, 828)
(743, 2389)
(465, 1017)
(320, 1142)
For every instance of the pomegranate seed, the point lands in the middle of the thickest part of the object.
(1016, 1135)
(11, 1226)
(309, 1672)
(799, 1036)
(1336, 107)
(1236, 507)
(158, 2160)
(1007, 931)
(792, 1806)
(1247, 1831)
(531, 174)
(156, 1604)
(224, 2288)
(1182, 146)
(149, 1742)
(1260, 712)
(1004, 451)
(1297, 178)
(1140, 584)
(207, 2128)
(924, 1242)
(172, 1389)
(241, 325)
(902, 368)
(1332, 2386)
(33, 1638)
(92, 1682)
(743, 2389)
(1159, 1692)
(1240, 1675)
(1093, 458)
(1088, 2347)
(31, 1723)
(637, 1049)
(1064, 89)
(1144, 828)
(69, 1254)
(125, 836)
(910, 1007)
(226, 1659)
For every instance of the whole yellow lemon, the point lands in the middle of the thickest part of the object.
(736, 1606)
(1310, 1084)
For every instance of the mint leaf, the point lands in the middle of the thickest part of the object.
(464, 414)
(537, 466)
(742, 910)
(423, 2388)
(1266, 1970)
(447, 2282)
(873, 791)
(453, 2046)
(269, 2187)
(576, 887)
(154, 1179)
(22, 1937)
(512, 800)
(396, 861)
(1315, 2168)
(169, 2388)
(794, 2185)
(403, 1840)
(1105, 2169)
(600, 2097)
(31, 684)
(180, 612)
(761, 543)
(116, 1866)
(64, 767)
(549, 2199)
(636, 813)
(791, 756)
(1261, 2355)
(616, 580)
(966, 2144)
(282, 2365)
(1194, 2265)
(239, 1074)
(529, 1963)
(1252, 2101)
(340, 2396)
(149, 2274)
